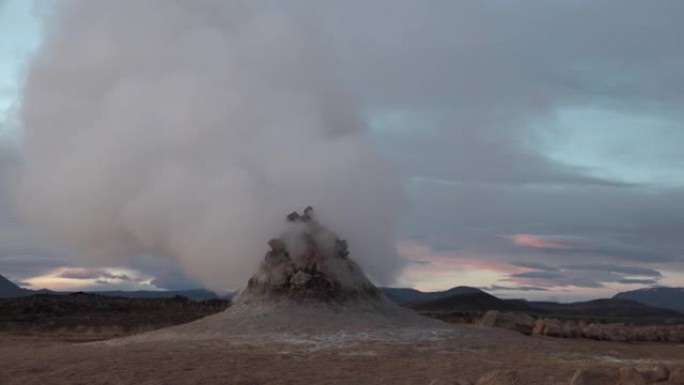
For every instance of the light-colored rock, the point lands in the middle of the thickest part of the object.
(554, 328)
(595, 376)
(300, 278)
(656, 373)
(616, 332)
(676, 376)
(630, 376)
(520, 322)
(500, 377)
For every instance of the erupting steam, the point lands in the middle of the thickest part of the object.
(183, 129)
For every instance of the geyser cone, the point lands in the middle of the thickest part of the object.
(308, 264)
(307, 285)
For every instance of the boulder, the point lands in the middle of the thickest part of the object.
(277, 245)
(595, 376)
(616, 332)
(300, 278)
(656, 373)
(553, 328)
(500, 377)
(677, 376)
(520, 322)
(630, 376)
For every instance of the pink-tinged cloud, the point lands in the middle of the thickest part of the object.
(432, 269)
(537, 242)
(417, 251)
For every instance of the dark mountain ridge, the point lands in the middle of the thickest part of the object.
(402, 296)
(662, 297)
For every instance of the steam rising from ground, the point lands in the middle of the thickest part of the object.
(188, 130)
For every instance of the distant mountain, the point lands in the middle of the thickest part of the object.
(600, 308)
(662, 297)
(472, 301)
(403, 296)
(9, 289)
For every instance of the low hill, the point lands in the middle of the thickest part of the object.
(403, 296)
(468, 302)
(662, 297)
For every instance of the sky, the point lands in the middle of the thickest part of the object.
(537, 144)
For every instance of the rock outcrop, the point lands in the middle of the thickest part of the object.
(520, 322)
(608, 332)
(595, 376)
(500, 377)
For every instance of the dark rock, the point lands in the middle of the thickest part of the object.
(677, 376)
(520, 322)
(630, 376)
(595, 376)
(277, 245)
(500, 377)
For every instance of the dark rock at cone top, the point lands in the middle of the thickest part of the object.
(308, 262)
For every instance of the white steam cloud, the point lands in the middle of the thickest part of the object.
(188, 130)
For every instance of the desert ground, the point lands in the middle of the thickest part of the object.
(465, 353)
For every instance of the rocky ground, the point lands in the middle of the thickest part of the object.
(463, 356)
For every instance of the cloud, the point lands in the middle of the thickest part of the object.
(513, 288)
(629, 270)
(475, 96)
(537, 274)
(633, 281)
(537, 241)
(534, 265)
(100, 275)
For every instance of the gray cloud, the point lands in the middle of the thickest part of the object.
(537, 274)
(629, 270)
(95, 274)
(632, 281)
(472, 96)
(534, 265)
(513, 288)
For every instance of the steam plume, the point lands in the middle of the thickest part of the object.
(188, 129)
